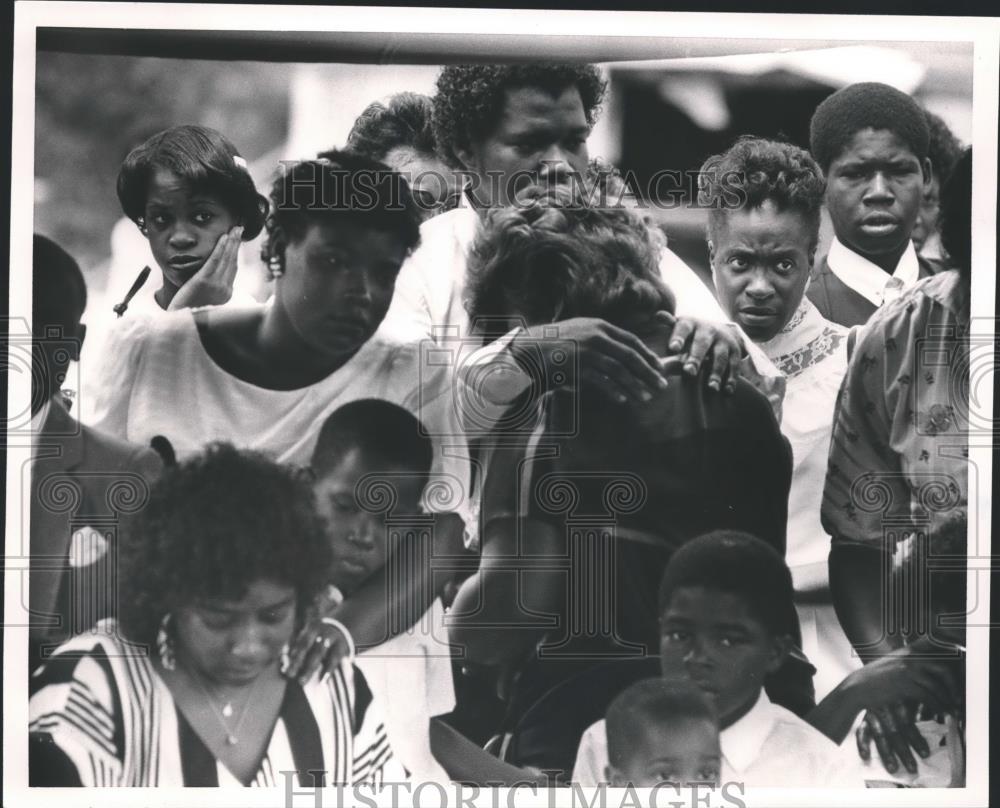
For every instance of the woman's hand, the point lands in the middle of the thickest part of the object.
(212, 285)
(699, 340)
(610, 358)
(323, 643)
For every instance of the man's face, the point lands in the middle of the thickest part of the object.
(712, 639)
(539, 138)
(874, 190)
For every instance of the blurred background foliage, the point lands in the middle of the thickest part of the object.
(90, 112)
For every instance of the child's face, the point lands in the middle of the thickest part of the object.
(182, 225)
(685, 752)
(359, 538)
(712, 639)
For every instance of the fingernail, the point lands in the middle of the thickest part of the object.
(676, 345)
(646, 395)
(662, 383)
(326, 677)
(691, 368)
(620, 398)
(713, 385)
(730, 388)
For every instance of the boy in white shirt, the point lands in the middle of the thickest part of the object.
(726, 622)
(372, 463)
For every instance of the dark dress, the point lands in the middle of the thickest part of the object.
(626, 489)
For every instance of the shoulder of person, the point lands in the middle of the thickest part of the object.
(797, 733)
(109, 452)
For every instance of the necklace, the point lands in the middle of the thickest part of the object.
(232, 736)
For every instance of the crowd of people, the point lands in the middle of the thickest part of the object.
(493, 487)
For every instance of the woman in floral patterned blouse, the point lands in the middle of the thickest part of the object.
(899, 458)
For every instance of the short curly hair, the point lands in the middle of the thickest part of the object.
(339, 185)
(755, 170)
(214, 524)
(553, 256)
(404, 120)
(865, 105)
(470, 98)
(206, 160)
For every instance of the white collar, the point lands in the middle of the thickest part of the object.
(869, 280)
(742, 742)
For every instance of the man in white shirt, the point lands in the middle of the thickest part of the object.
(871, 141)
(726, 616)
(504, 127)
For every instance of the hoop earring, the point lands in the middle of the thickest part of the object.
(165, 644)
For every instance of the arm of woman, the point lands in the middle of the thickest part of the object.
(74, 725)
(865, 492)
(516, 595)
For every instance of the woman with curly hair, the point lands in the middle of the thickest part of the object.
(761, 255)
(185, 688)
(586, 496)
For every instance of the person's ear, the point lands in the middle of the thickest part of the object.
(711, 253)
(928, 172)
(781, 645)
(466, 156)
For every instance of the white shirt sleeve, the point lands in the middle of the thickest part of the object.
(591, 757)
(111, 372)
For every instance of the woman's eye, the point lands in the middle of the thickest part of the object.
(727, 642)
(158, 219)
(203, 217)
(272, 616)
(218, 621)
(676, 636)
(786, 266)
(738, 263)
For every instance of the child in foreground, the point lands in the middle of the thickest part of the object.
(662, 732)
(371, 465)
(727, 619)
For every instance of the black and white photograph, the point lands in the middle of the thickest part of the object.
(491, 407)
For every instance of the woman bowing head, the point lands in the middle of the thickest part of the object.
(185, 688)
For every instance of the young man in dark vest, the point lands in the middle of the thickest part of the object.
(871, 141)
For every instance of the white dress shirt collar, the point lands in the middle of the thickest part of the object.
(869, 280)
(741, 742)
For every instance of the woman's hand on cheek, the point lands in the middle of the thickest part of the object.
(212, 285)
